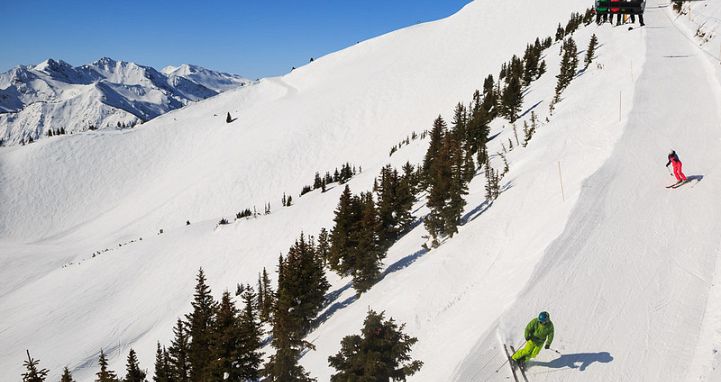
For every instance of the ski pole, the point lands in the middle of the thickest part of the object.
(501, 367)
(557, 352)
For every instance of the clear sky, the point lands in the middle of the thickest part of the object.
(252, 38)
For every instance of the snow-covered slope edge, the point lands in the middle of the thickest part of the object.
(53, 96)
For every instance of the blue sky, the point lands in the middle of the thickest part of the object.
(247, 37)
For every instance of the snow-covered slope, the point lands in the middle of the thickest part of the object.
(584, 228)
(104, 94)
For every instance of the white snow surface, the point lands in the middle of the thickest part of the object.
(104, 94)
(628, 269)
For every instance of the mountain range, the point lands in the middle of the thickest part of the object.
(54, 97)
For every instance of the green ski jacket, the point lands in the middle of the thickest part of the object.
(602, 7)
(539, 333)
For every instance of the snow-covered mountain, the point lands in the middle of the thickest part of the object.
(584, 228)
(54, 95)
(217, 81)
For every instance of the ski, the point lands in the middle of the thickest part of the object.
(511, 362)
(674, 185)
(680, 184)
(521, 367)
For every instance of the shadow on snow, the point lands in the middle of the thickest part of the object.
(578, 361)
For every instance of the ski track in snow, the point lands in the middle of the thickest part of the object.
(627, 283)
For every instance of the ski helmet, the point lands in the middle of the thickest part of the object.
(544, 317)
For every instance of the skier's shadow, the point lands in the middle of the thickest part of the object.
(578, 361)
(697, 178)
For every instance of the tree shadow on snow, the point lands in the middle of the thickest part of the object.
(404, 262)
(530, 109)
(578, 361)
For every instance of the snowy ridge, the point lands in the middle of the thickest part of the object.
(104, 94)
(626, 268)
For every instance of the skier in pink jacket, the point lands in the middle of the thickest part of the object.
(677, 171)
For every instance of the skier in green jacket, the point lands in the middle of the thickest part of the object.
(538, 331)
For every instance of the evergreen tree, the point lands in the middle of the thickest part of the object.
(541, 69)
(569, 64)
(490, 96)
(368, 249)
(163, 372)
(251, 357)
(283, 365)
(380, 353)
(457, 187)
(66, 377)
(591, 50)
(317, 181)
(386, 187)
(438, 180)
(266, 308)
(341, 246)
(133, 372)
(560, 33)
(228, 119)
(32, 373)
(437, 133)
(303, 280)
(324, 245)
(200, 321)
(105, 375)
(512, 99)
(178, 357)
(404, 198)
(226, 344)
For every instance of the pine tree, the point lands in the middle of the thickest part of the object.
(324, 245)
(133, 372)
(591, 50)
(438, 180)
(437, 133)
(228, 119)
(490, 96)
(560, 33)
(569, 64)
(226, 345)
(386, 187)
(341, 246)
(178, 354)
(66, 377)
(304, 281)
(368, 250)
(380, 353)
(200, 321)
(250, 331)
(32, 373)
(512, 99)
(105, 375)
(283, 365)
(404, 199)
(457, 187)
(266, 308)
(163, 372)
(317, 181)
(541, 69)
